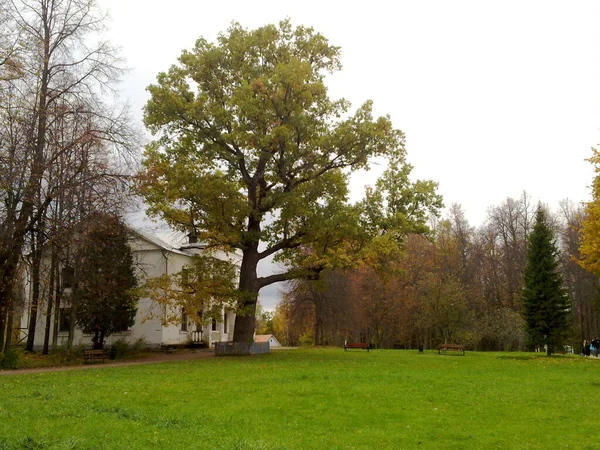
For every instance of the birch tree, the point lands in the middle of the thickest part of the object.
(64, 69)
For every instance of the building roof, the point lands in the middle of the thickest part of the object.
(176, 242)
(153, 239)
(263, 337)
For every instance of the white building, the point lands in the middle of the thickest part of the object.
(152, 257)
(271, 339)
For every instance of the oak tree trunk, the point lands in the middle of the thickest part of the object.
(245, 320)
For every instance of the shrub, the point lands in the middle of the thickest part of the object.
(307, 339)
(65, 357)
(119, 349)
(10, 359)
(139, 346)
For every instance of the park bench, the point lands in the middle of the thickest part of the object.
(451, 347)
(362, 345)
(93, 355)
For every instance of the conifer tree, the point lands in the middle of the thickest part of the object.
(545, 302)
(103, 298)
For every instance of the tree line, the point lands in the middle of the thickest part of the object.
(249, 154)
(65, 151)
(458, 284)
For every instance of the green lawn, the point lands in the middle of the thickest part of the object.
(311, 399)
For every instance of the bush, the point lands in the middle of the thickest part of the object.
(307, 339)
(119, 349)
(139, 346)
(65, 357)
(10, 359)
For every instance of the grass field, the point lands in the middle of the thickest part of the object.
(311, 399)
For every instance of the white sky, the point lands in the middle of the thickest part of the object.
(495, 97)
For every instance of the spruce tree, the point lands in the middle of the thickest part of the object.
(103, 298)
(545, 302)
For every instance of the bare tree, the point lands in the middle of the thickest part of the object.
(511, 223)
(55, 112)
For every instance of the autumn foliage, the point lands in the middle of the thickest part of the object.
(456, 284)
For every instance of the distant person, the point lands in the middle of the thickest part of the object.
(586, 348)
(596, 344)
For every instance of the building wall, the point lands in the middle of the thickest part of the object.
(274, 342)
(150, 261)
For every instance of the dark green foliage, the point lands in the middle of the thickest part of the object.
(545, 302)
(10, 359)
(103, 295)
(121, 349)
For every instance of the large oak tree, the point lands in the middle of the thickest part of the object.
(252, 154)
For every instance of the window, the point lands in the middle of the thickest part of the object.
(64, 320)
(184, 320)
(214, 324)
(123, 329)
(67, 275)
(225, 322)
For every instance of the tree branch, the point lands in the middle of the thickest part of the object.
(276, 278)
(291, 242)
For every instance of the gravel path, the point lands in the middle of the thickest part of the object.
(151, 358)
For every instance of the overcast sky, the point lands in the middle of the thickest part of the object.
(495, 97)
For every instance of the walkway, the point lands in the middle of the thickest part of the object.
(148, 358)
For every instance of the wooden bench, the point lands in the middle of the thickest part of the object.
(451, 347)
(362, 345)
(89, 356)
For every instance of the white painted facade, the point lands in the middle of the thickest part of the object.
(152, 257)
(271, 339)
